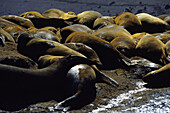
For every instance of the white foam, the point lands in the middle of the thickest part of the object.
(116, 102)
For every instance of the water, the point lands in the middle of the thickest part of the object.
(141, 99)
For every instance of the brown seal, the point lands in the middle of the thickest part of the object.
(31, 84)
(137, 36)
(36, 47)
(110, 32)
(88, 17)
(158, 78)
(165, 17)
(129, 21)
(85, 50)
(125, 45)
(53, 29)
(108, 55)
(102, 22)
(164, 37)
(10, 56)
(152, 49)
(46, 60)
(14, 31)
(52, 13)
(66, 31)
(69, 16)
(82, 79)
(4, 23)
(149, 22)
(18, 61)
(5, 37)
(44, 34)
(31, 14)
(167, 50)
(24, 22)
(40, 21)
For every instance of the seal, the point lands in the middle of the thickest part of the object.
(69, 16)
(31, 14)
(5, 37)
(164, 37)
(46, 60)
(110, 32)
(129, 21)
(165, 17)
(40, 21)
(85, 50)
(24, 22)
(14, 31)
(52, 13)
(4, 23)
(102, 22)
(82, 79)
(10, 56)
(36, 47)
(17, 61)
(53, 29)
(44, 34)
(108, 55)
(167, 50)
(158, 78)
(30, 82)
(124, 45)
(66, 31)
(88, 17)
(152, 49)
(137, 36)
(149, 22)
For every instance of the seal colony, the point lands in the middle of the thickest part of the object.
(69, 51)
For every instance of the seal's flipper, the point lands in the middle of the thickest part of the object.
(76, 101)
(102, 78)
